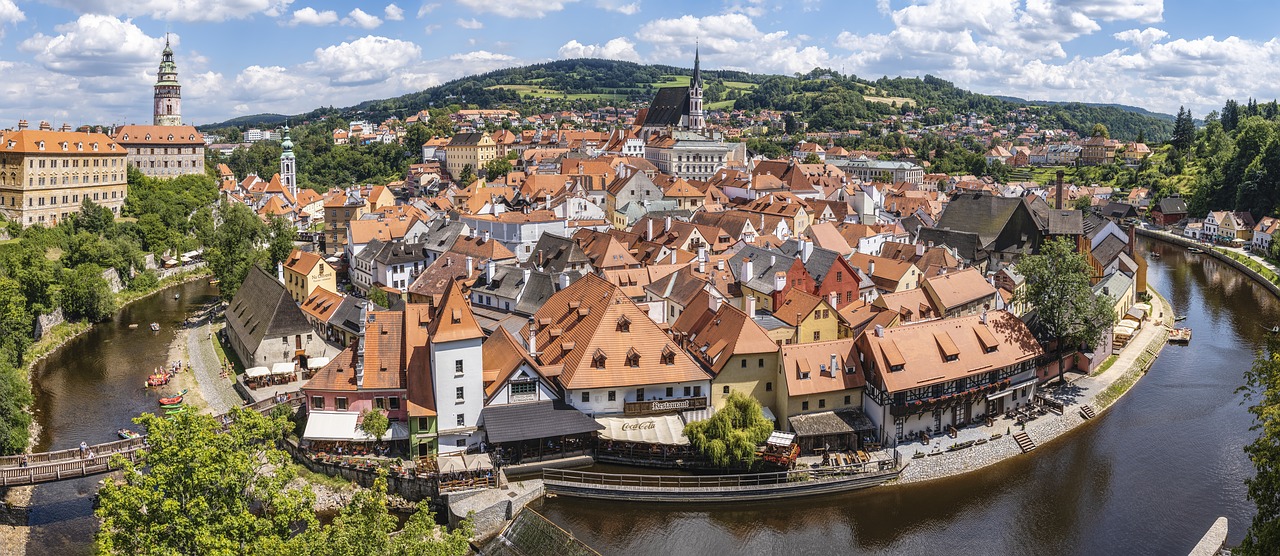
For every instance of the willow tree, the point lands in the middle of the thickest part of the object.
(731, 435)
(1058, 287)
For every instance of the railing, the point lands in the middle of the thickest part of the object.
(720, 482)
(73, 454)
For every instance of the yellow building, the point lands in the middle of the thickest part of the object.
(817, 376)
(813, 318)
(46, 175)
(339, 210)
(304, 272)
(736, 351)
(469, 149)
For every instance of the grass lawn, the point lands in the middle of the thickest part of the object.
(225, 353)
(722, 105)
(1105, 365)
(902, 101)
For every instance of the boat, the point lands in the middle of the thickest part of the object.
(1180, 336)
(173, 399)
(1195, 250)
(133, 325)
(1180, 318)
(176, 411)
(1155, 254)
(126, 434)
(1273, 329)
(171, 406)
(155, 327)
(159, 379)
(177, 295)
(213, 282)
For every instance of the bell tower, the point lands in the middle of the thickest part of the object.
(168, 93)
(288, 165)
(697, 120)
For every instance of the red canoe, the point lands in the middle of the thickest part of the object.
(173, 400)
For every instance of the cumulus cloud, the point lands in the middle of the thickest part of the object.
(730, 41)
(267, 83)
(365, 60)
(309, 16)
(185, 10)
(1143, 38)
(517, 8)
(472, 23)
(480, 56)
(93, 46)
(393, 13)
(621, 6)
(616, 49)
(359, 18)
(9, 13)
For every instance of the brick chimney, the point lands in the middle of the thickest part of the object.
(1058, 193)
(22, 124)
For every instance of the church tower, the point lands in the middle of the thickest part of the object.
(288, 165)
(696, 118)
(168, 93)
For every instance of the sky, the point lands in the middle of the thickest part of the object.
(94, 61)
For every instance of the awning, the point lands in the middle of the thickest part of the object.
(342, 425)
(279, 369)
(1011, 389)
(650, 429)
(830, 422)
(256, 372)
(528, 421)
(317, 362)
(779, 438)
(459, 462)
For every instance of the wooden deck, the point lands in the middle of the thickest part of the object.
(720, 488)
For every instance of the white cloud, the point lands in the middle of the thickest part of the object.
(358, 18)
(365, 60)
(616, 49)
(266, 83)
(517, 8)
(621, 6)
(431, 28)
(1143, 38)
(309, 16)
(481, 56)
(472, 23)
(95, 46)
(882, 6)
(426, 8)
(9, 13)
(393, 13)
(184, 10)
(730, 41)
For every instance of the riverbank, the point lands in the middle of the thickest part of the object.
(1100, 391)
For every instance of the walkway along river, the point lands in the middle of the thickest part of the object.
(1148, 477)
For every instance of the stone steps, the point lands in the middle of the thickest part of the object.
(1024, 442)
(1087, 411)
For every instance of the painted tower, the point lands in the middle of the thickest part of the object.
(288, 165)
(696, 118)
(168, 93)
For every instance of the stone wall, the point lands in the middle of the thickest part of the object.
(113, 280)
(491, 509)
(1184, 242)
(45, 323)
(409, 488)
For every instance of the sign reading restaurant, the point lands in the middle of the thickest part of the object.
(662, 406)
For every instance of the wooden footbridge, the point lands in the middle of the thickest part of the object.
(47, 467)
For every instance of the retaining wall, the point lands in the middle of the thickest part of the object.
(1209, 250)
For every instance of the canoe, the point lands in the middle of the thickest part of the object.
(176, 411)
(171, 406)
(173, 399)
(126, 434)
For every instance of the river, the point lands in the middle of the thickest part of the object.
(1148, 477)
(88, 389)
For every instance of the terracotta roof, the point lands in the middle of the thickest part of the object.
(384, 358)
(954, 289)
(419, 388)
(913, 304)
(482, 250)
(321, 304)
(158, 135)
(454, 320)
(503, 354)
(726, 333)
(587, 320)
(384, 230)
(807, 367)
(796, 306)
(919, 349)
(29, 141)
(302, 262)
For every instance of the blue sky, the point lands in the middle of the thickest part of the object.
(94, 60)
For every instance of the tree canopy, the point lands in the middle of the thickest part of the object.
(1262, 389)
(730, 437)
(1059, 291)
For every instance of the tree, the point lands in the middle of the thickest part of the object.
(1100, 130)
(15, 322)
(94, 218)
(374, 423)
(15, 418)
(466, 176)
(379, 297)
(1059, 290)
(86, 295)
(1082, 203)
(282, 234)
(496, 168)
(232, 248)
(811, 158)
(731, 435)
(1184, 131)
(1262, 387)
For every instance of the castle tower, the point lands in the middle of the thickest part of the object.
(168, 93)
(288, 165)
(696, 118)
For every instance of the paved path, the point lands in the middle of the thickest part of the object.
(217, 391)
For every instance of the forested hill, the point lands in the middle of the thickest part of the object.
(825, 99)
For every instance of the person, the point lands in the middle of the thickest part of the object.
(22, 460)
(84, 447)
(90, 454)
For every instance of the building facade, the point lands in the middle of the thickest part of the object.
(163, 151)
(46, 175)
(168, 93)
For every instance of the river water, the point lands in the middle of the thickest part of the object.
(89, 388)
(1148, 477)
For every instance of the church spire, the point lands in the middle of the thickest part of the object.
(696, 120)
(697, 67)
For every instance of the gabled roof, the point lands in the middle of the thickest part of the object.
(321, 304)
(454, 321)
(554, 253)
(503, 354)
(724, 334)
(384, 358)
(807, 367)
(262, 308)
(1171, 205)
(667, 107)
(796, 306)
(955, 289)
(916, 348)
(302, 262)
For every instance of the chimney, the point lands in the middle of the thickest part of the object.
(1058, 199)
(648, 229)
(280, 272)
(879, 331)
(779, 281)
(748, 271)
(526, 272)
(751, 306)
(919, 249)
(871, 269)
(720, 264)
(66, 127)
(702, 266)
(471, 266)
(485, 238)
(666, 224)
(564, 281)
(713, 303)
(22, 124)
(983, 320)
(835, 364)
(489, 268)
(1133, 240)
(44, 126)
(533, 339)
(702, 254)
(833, 299)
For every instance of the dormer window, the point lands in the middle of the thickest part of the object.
(598, 359)
(668, 356)
(147, 138)
(624, 324)
(40, 145)
(633, 358)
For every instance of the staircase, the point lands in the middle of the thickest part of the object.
(1087, 411)
(1025, 442)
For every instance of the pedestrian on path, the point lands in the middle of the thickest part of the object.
(84, 447)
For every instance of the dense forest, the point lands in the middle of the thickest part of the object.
(826, 99)
(1236, 160)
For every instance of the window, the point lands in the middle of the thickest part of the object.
(613, 396)
(393, 403)
(524, 388)
(768, 387)
(633, 358)
(839, 276)
(462, 421)
(817, 335)
(848, 400)
(457, 368)
(804, 406)
(697, 391)
(460, 443)
(317, 402)
(380, 403)
(744, 363)
(671, 392)
(424, 424)
(688, 391)
(308, 338)
(639, 394)
(459, 393)
(340, 404)
(586, 397)
(822, 403)
(726, 389)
